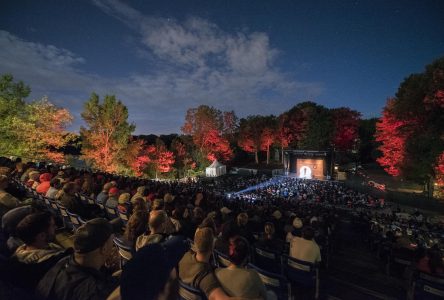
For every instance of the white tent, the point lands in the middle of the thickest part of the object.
(215, 169)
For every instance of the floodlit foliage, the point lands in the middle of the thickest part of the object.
(35, 130)
(389, 132)
(154, 160)
(108, 133)
(207, 126)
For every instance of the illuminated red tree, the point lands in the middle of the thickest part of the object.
(217, 146)
(154, 159)
(257, 133)
(210, 130)
(107, 135)
(390, 132)
(439, 170)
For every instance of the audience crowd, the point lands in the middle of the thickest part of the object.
(173, 229)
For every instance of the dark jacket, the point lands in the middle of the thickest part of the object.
(68, 280)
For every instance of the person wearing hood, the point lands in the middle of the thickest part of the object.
(44, 185)
(38, 254)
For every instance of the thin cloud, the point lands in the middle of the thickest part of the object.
(196, 63)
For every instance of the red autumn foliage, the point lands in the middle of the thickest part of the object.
(389, 132)
(439, 170)
(217, 146)
(157, 156)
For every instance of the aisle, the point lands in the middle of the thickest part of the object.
(355, 272)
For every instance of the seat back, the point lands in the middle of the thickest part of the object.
(111, 212)
(63, 212)
(221, 259)
(429, 287)
(274, 282)
(301, 273)
(123, 216)
(267, 260)
(75, 219)
(125, 252)
(187, 292)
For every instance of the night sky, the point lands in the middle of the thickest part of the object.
(254, 57)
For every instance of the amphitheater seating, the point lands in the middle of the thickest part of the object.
(274, 282)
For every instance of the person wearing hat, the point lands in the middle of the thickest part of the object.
(124, 203)
(33, 180)
(44, 185)
(82, 275)
(195, 268)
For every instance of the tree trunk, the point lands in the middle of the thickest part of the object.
(268, 154)
(282, 154)
(256, 157)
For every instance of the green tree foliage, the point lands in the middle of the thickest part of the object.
(319, 127)
(12, 115)
(35, 130)
(107, 137)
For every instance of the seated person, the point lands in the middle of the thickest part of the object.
(103, 195)
(296, 229)
(9, 225)
(229, 230)
(38, 254)
(113, 198)
(44, 185)
(160, 282)
(236, 280)
(195, 268)
(124, 205)
(54, 187)
(305, 248)
(7, 201)
(269, 241)
(136, 226)
(72, 202)
(157, 224)
(82, 275)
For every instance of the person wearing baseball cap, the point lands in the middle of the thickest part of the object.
(82, 275)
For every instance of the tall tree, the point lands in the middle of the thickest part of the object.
(346, 127)
(417, 113)
(391, 134)
(13, 115)
(318, 128)
(108, 133)
(183, 159)
(206, 126)
(256, 133)
(155, 159)
(47, 133)
(284, 134)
